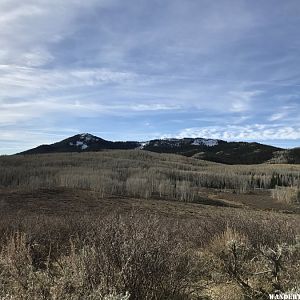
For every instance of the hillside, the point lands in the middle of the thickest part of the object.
(140, 173)
(206, 149)
(150, 225)
(291, 156)
(216, 150)
(84, 142)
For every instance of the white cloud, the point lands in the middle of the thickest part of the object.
(28, 28)
(87, 59)
(36, 58)
(11, 14)
(277, 116)
(30, 80)
(13, 113)
(256, 132)
(154, 107)
(242, 100)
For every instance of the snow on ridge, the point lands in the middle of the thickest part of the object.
(79, 144)
(174, 142)
(143, 145)
(87, 137)
(85, 140)
(171, 139)
(205, 142)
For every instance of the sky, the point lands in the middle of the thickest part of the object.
(145, 69)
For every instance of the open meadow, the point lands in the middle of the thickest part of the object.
(139, 225)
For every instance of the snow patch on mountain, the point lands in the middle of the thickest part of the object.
(143, 145)
(176, 143)
(171, 139)
(88, 137)
(84, 141)
(79, 144)
(205, 142)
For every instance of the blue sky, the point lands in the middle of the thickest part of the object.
(140, 69)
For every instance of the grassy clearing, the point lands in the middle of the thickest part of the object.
(147, 256)
(89, 226)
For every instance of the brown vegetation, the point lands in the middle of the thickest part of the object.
(146, 256)
(286, 194)
(89, 226)
(140, 174)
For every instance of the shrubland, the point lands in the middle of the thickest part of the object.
(140, 174)
(288, 195)
(137, 255)
(182, 250)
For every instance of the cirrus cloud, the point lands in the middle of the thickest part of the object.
(217, 68)
(255, 132)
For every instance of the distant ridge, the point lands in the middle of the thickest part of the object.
(200, 148)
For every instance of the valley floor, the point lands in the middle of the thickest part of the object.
(53, 226)
(136, 225)
(68, 201)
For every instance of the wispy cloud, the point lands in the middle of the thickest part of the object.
(277, 116)
(34, 79)
(216, 68)
(255, 132)
(243, 100)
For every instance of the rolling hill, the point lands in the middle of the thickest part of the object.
(206, 149)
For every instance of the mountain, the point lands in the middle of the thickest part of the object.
(215, 150)
(200, 148)
(81, 143)
(291, 156)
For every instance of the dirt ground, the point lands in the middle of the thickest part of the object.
(65, 201)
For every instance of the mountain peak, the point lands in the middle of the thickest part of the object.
(83, 141)
(199, 148)
(88, 137)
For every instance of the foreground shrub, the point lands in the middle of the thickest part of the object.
(136, 255)
(287, 195)
(258, 271)
(118, 260)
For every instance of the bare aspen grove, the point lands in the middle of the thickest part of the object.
(134, 225)
(140, 174)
